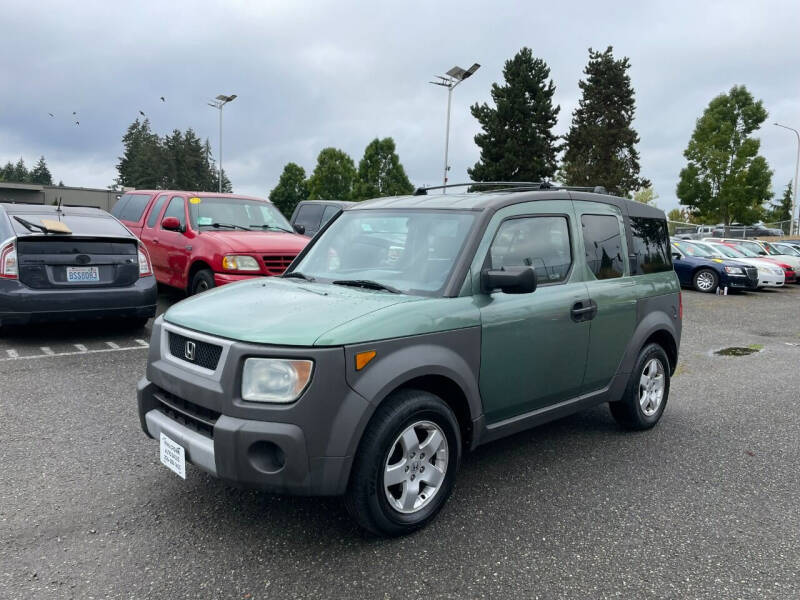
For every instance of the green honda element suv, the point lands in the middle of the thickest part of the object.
(413, 329)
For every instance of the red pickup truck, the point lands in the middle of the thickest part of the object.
(199, 240)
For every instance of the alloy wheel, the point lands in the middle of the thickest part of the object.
(651, 387)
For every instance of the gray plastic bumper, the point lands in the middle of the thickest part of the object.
(199, 449)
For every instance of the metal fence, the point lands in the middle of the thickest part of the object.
(776, 230)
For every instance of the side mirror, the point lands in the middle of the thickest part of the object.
(510, 280)
(301, 229)
(676, 256)
(171, 224)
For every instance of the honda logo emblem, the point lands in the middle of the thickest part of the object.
(188, 350)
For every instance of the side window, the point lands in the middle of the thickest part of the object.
(539, 242)
(650, 246)
(156, 210)
(330, 212)
(309, 216)
(603, 245)
(176, 208)
(131, 207)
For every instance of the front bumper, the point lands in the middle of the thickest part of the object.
(223, 278)
(303, 448)
(20, 304)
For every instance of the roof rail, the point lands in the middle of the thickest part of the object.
(512, 186)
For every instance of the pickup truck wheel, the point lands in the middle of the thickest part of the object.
(202, 281)
(646, 395)
(406, 464)
(705, 280)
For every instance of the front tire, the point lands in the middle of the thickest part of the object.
(406, 464)
(646, 394)
(202, 281)
(705, 280)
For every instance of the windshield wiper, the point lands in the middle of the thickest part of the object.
(34, 226)
(368, 284)
(299, 275)
(278, 227)
(228, 225)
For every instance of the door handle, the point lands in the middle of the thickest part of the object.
(584, 310)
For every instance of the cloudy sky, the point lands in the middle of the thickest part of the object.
(316, 74)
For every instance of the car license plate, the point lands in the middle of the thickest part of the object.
(173, 456)
(82, 274)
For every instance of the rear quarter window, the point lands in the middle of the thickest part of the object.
(309, 216)
(602, 241)
(650, 248)
(131, 207)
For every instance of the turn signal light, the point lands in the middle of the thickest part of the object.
(363, 359)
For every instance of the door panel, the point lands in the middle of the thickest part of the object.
(533, 351)
(610, 287)
(171, 257)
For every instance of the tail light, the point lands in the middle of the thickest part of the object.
(145, 269)
(8, 261)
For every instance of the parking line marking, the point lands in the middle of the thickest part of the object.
(47, 350)
(52, 354)
(112, 345)
(12, 353)
(81, 347)
(142, 343)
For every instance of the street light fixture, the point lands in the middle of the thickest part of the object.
(218, 103)
(450, 80)
(794, 181)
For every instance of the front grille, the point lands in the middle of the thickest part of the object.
(189, 414)
(205, 355)
(276, 264)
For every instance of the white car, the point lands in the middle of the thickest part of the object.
(766, 250)
(769, 274)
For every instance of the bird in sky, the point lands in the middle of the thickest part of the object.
(51, 114)
(141, 113)
(162, 99)
(74, 113)
(77, 122)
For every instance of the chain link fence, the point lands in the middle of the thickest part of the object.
(776, 230)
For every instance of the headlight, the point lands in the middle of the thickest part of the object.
(240, 263)
(734, 270)
(274, 379)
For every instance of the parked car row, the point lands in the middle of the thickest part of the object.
(718, 263)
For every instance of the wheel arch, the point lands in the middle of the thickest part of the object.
(197, 265)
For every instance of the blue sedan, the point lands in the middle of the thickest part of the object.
(696, 268)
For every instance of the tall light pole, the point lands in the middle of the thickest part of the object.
(218, 103)
(450, 80)
(794, 181)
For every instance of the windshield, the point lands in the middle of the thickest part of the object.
(410, 251)
(692, 250)
(752, 247)
(726, 251)
(786, 249)
(236, 213)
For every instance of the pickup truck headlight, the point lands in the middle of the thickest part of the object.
(240, 263)
(734, 270)
(275, 379)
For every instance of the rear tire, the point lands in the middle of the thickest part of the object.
(202, 281)
(705, 280)
(414, 440)
(645, 397)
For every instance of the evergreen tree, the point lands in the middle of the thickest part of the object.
(380, 172)
(333, 177)
(40, 173)
(725, 179)
(781, 212)
(141, 165)
(517, 142)
(7, 172)
(292, 188)
(601, 140)
(20, 172)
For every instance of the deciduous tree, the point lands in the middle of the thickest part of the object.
(380, 172)
(517, 142)
(601, 142)
(725, 178)
(333, 177)
(292, 188)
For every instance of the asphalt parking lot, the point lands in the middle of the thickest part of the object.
(703, 506)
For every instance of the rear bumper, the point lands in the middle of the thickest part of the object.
(20, 304)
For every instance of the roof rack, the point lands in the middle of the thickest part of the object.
(512, 186)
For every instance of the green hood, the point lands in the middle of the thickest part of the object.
(278, 311)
